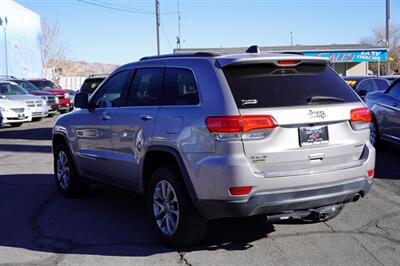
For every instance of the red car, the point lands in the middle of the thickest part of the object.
(62, 95)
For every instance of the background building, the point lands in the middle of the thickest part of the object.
(20, 34)
(347, 60)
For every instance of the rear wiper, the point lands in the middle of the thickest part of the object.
(324, 99)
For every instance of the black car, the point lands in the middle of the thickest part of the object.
(92, 82)
(365, 84)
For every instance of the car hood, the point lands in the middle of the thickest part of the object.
(12, 103)
(56, 91)
(23, 97)
(375, 94)
(40, 93)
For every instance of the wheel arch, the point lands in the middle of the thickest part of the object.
(157, 156)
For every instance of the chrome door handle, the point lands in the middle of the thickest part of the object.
(146, 117)
(105, 116)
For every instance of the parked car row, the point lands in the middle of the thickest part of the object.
(21, 101)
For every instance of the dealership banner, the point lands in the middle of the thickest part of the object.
(352, 56)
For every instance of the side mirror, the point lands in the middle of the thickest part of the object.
(81, 100)
(362, 93)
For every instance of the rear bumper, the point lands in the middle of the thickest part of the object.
(278, 202)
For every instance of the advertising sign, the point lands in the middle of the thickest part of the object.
(352, 56)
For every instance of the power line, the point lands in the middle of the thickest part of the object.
(166, 37)
(121, 8)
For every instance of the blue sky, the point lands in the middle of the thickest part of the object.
(107, 36)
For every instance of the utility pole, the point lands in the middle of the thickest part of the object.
(4, 24)
(158, 26)
(387, 35)
(178, 41)
(291, 38)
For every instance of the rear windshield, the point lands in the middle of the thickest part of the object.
(90, 85)
(266, 85)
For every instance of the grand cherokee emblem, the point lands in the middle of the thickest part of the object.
(316, 114)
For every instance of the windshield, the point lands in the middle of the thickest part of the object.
(266, 85)
(27, 85)
(11, 88)
(43, 84)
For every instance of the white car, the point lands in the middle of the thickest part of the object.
(36, 106)
(14, 112)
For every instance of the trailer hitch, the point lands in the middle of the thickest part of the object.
(311, 215)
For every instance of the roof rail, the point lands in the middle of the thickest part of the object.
(289, 52)
(196, 54)
(97, 75)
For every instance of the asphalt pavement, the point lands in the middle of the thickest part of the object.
(110, 227)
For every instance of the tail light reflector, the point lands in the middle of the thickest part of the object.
(240, 191)
(371, 173)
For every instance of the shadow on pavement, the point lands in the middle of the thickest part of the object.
(107, 222)
(387, 163)
(25, 148)
(28, 134)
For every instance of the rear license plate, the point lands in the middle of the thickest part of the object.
(313, 135)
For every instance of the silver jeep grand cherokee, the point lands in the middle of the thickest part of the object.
(205, 136)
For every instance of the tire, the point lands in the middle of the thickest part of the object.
(63, 111)
(68, 182)
(16, 124)
(374, 134)
(190, 227)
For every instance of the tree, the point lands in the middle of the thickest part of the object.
(376, 38)
(54, 50)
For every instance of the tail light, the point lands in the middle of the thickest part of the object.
(360, 118)
(240, 126)
(287, 62)
(371, 173)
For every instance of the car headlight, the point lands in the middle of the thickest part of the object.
(3, 109)
(66, 95)
(44, 102)
(57, 100)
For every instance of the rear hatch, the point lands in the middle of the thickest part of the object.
(315, 122)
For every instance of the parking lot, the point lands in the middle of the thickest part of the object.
(110, 227)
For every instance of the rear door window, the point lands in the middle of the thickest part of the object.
(146, 87)
(180, 87)
(266, 85)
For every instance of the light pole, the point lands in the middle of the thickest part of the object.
(158, 26)
(291, 38)
(387, 34)
(4, 24)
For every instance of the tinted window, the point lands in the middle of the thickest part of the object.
(90, 85)
(367, 85)
(395, 91)
(43, 84)
(111, 93)
(27, 85)
(146, 87)
(11, 88)
(265, 85)
(381, 84)
(180, 87)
